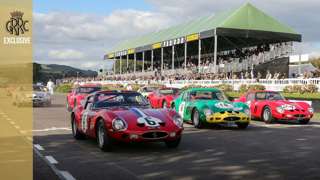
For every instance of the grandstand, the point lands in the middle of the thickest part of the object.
(243, 40)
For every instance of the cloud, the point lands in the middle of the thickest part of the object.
(65, 54)
(62, 37)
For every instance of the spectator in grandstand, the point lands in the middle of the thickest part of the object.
(269, 75)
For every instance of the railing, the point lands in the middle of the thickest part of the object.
(270, 84)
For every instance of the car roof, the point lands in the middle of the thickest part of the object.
(204, 89)
(89, 85)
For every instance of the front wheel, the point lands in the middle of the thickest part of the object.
(104, 141)
(196, 119)
(75, 131)
(267, 115)
(174, 143)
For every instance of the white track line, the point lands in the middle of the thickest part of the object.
(52, 129)
(67, 175)
(51, 159)
(39, 147)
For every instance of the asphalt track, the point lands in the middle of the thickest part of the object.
(276, 151)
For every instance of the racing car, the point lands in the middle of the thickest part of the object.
(210, 106)
(124, 116)
(146, 90)
(78, 93)
(271, 106)
(41, 96)
(162, 98)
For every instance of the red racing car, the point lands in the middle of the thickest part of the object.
(124, 116)
(271, 106)
(162, 98)
(78, 93)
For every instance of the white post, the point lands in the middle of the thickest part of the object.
(215, 51)
(143, 61)
(161, 59)
(199, 55)
(127, 63)
(172, 57)
(120, 64)
(135, 63)
(152, 60)
(185, 55)
(114, 65)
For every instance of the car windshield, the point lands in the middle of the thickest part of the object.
(120, 99)
(88, 90)
(168, 91)
(269, 96)
(149, 89)
(39, 88)
(207, 95)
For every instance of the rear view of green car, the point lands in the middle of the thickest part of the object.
(210, 106)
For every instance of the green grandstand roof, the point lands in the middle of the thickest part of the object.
(247, 17)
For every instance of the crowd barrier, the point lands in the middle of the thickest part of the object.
(270, 84)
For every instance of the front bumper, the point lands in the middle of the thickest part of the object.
(228, 117)
(146, 136)
(292, 116)
(40, 102)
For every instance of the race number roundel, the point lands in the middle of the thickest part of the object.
(181, 109)
(84, 122)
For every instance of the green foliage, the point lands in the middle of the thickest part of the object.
(310, 88)
(244, 87)
(63, 88)
(316, 62)
(224, 87)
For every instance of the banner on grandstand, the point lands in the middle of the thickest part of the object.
(297, 58)
(192, 37)
(131, 51)
(156, 46)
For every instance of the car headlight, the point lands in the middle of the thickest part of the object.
(247, 112)
(310, 110)
(280, 109)
(178, 121)
(119, 124)
(207, 112)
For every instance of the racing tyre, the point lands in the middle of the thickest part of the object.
(174, 143)
(267, 115)
(305, 121)
(104, 141)
(196, 119)
(75, 131)
(164, 105)
(242, 125)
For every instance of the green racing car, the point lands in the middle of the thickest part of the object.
(210, 106)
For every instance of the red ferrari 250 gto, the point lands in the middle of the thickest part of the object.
(124, 116)
(162, 98)
(78, 93)
(272, 106)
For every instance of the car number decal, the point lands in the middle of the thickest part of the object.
(84, 122)
(181, 109)
(147, 120)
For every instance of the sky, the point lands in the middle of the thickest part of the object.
(79, 32)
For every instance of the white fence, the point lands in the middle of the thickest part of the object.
(270, 84)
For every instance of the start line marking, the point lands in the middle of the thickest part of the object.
(52, 129)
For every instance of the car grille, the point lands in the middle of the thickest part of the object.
(232, 118)
(298, 115)
(222, 112)
(154, 135)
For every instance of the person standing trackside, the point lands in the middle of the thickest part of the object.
(50, 86)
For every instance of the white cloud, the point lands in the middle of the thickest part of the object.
(87, 37)
(65, 54)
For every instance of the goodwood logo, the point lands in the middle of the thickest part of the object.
(16, 25)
